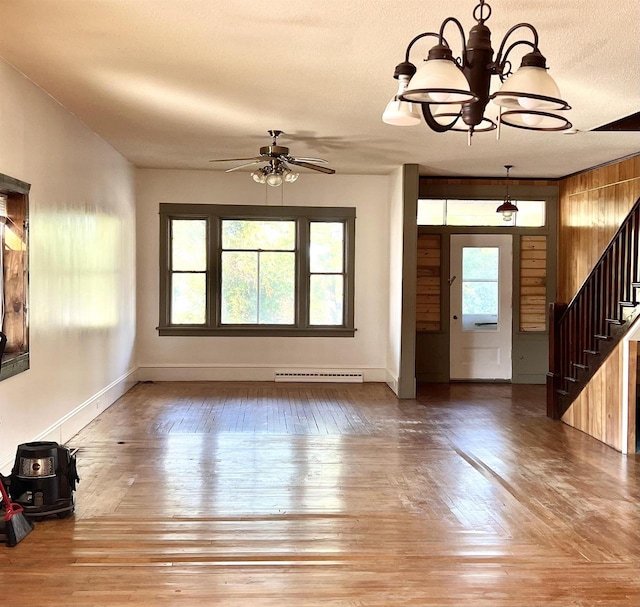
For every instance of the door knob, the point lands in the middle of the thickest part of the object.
(455, 317)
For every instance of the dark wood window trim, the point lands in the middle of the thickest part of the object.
(15, 277)
(214, 214)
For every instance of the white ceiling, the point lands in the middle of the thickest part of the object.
(174, 83)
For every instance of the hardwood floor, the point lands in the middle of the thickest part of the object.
(283, 495)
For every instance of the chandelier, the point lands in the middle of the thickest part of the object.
(275, 174)
(452, 94)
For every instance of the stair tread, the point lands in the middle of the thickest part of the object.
(562, 392)
(628, 304)
(580, 365)
(603, 337)
(594, 352)
(573, 380)
(615, 321)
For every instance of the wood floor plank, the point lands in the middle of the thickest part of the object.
(264, 494)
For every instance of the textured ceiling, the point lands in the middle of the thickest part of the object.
(174, 83)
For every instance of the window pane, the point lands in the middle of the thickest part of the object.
(188, 299)
(531, 213)
(326, 296)
(277, 288)
(239, 292)
(480, 288)
(475, 213)
(480, 263)
(254, 234)
(480, 298)
(189, 244)
(326, 250)
(480, 306)
(247, 276)
(431, 212)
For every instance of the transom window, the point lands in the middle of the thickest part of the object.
(447, 212)
(249, 270)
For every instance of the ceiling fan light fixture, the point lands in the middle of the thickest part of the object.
(259, 176)
(277, 159)
(274, 179)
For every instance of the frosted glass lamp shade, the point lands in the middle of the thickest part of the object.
(530, 88)
(438, 81)
(401, 113)
(507, 209)
(274, 180)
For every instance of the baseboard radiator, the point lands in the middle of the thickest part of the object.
(309, 375)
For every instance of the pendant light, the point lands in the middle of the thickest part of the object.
(507, 208)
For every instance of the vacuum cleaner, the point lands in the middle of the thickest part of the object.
(43, 479)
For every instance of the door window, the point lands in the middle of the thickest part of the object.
(480, 288)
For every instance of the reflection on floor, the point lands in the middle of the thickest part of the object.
(263, 494)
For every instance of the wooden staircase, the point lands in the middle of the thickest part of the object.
(583, 332)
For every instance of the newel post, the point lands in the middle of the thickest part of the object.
(556, 310)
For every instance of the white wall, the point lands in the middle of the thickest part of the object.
(396, 224)
(256, 358)
(82, 268)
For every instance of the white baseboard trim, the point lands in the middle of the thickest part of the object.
(71, 423)
(391, 381)
(177, 372)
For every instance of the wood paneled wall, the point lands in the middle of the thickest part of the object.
(598, 410)
(428, 283)
(592, 207)
(533, 283)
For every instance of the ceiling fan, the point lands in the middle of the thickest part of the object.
(277, 159)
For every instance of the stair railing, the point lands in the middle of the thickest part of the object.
(582, 333)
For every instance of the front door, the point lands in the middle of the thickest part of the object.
(480, 310)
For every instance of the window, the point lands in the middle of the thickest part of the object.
(255, 270)
(480, 267)
(431, 212)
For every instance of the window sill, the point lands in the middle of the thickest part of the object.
(255, 332)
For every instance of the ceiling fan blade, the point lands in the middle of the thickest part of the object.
(303, 159)
(236, 159)
(308, 165)
(242, 166)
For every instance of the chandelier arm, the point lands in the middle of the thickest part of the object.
(433, 124)
(499, 59)
(500, 65)
(462, 37)
(419, 37)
